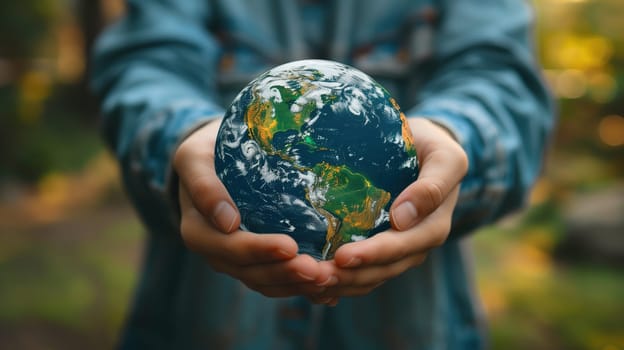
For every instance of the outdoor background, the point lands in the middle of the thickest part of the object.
(550, 277)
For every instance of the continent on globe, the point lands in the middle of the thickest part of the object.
(317, 150)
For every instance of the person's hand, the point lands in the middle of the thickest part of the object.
(267, 263)
(420, 217)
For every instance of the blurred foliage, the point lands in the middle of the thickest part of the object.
(24, 26)
(70, 244)
(533, 301)
(79, 284)
(42, 128)
(583, 60)
(47, 115)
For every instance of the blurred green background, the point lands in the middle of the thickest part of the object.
(550, 277)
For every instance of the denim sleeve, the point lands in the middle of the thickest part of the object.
(485, 86)
(155, 72)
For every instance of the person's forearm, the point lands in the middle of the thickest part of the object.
(154, 72)
(486, 90)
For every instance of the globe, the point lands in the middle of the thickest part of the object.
(317, 150)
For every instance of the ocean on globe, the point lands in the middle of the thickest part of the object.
(317, 150)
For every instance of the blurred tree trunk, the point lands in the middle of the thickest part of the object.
(91, 22)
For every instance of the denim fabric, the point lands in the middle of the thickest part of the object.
(169, 66)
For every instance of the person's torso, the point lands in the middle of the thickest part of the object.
(386, 39)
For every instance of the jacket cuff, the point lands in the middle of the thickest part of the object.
(469, 212)
(151, 178)
(458, 127)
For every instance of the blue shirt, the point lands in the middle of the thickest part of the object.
(169, 66)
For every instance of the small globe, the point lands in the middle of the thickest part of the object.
(317, 150)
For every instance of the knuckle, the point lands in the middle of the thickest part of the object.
(463, 162)
(202, 193)
(433, 192)
(460, 157)
(231, 248)
(188, 233)
(399, 247)
(441, 235)
(247, 245)
(200, 188)
(185, 153)
(185, 228)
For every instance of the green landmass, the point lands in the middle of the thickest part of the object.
(349, 201)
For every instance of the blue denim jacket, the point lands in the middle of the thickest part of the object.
(169, 66)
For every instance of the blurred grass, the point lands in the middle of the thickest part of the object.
(536, 302)
(79, 278)
(71, 272)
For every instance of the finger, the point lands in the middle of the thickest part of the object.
(383, 248)
(194, 164)
(371, 275)
(443, 165)
(391, 246)
(326, 277)
(246, 248)
(239, 248)
(302, 269)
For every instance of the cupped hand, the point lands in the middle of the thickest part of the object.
(267, 263)
(420, 217)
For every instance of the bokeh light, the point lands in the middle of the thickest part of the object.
(602, 87)
(70, 64)
(570, 83)
(576, 51)
(611, 130)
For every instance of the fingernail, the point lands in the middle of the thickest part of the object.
(330, 281)
(404, 216)
(224, 216)
(353, 262)
(334, 302)
(305, 277)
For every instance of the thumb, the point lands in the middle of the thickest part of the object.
(194, 164)
(417, 201)
(443, 166)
